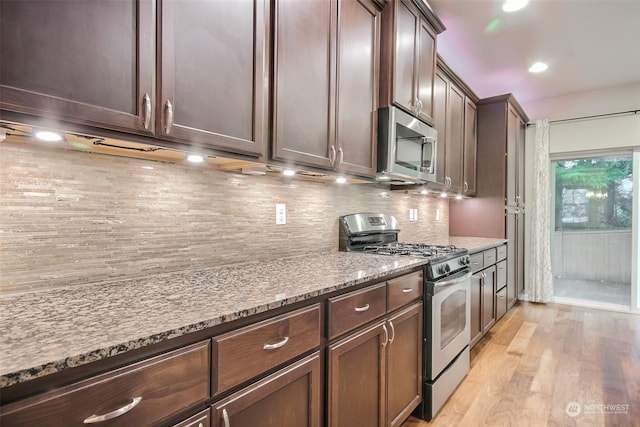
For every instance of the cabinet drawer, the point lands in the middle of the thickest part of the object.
(402, 290)
(477, 262)
(489, 257)
(501, 275)
(140, 394)
(501, 303)
(501, 253)
(356, 308)
(248, 352)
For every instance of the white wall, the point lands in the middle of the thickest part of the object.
(602, 133)
(604, 101)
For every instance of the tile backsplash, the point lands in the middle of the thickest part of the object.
(70, 217)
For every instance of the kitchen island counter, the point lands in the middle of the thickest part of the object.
(46, 332)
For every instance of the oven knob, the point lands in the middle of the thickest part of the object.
(464, 260)
(442, 268)
(447, 268)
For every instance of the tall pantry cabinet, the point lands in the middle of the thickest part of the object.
(498, 209)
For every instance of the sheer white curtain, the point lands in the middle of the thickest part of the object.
(540, 286)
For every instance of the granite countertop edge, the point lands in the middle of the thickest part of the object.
(40, 370)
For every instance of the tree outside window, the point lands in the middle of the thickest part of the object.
(594, 193)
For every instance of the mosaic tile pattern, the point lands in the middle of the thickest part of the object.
(72, 218)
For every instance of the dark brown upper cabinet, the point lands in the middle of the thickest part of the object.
(455, 119)
(326, 61)
(213, 74)
(409, 57)
(83, 62)
(94, 63)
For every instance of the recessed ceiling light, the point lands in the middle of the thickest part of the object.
(288, 172)
(195, 158)
(47, 135)
(341, 180)
(538, 67)
(513, 5)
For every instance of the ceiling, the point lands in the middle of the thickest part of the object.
(588, 45)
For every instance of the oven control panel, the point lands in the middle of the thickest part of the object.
(436, 270)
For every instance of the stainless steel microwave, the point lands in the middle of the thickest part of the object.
(407, 147)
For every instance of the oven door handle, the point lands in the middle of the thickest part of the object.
(453, 280)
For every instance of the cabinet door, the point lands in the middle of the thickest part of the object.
(288, 398)
(426, 70)
(213, 74)
(476, 307)
(512, 257)
(520, 190)
(87, 62)
(512, 157)
(488, 298)
(304, 82)
(404, 364)
(405, 66)
(455, 135)
(440, 97)
(470, 145)
(357, 83)
(356, 383)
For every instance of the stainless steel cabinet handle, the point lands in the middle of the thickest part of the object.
(147, 110)
(386, 336)
(332, 155)
(113, 414)
(276, 345)
(169, 123)
(340, 157)
(419, 106)
(407, 290)
(466, 187)
(393, 332)
(225, 418)
(361, 309)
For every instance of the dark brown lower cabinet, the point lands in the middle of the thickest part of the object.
(483, 315)
(375, 374)
(288, 398)
(404, 364)
(356, 380)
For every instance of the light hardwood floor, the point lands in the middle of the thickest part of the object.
(538, 359)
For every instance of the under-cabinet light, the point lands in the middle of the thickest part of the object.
(288, 172)
(341, 180)
(47, 135)
(538, 67)
(195, 158)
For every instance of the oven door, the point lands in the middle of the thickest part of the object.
(450, 330)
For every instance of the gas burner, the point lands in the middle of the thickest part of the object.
(410, 249)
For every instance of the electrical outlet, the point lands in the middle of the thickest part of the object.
(437, 214)
(281, 213)
(415, 214)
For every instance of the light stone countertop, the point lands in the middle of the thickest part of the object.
(47, 332)
(475, 244)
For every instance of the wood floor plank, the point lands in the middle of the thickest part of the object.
(538, 359)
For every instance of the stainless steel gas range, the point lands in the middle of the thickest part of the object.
(447, 301)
